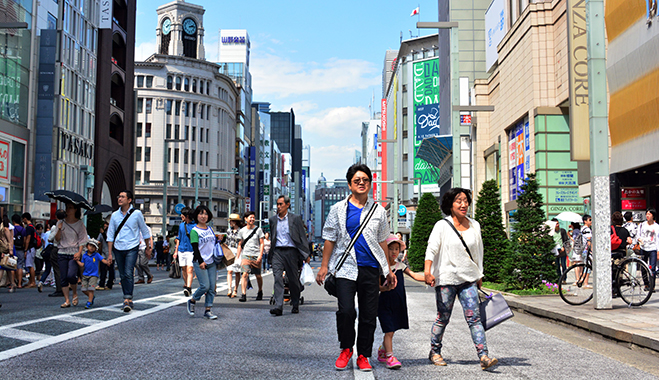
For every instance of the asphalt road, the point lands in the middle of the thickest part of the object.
(38, 340)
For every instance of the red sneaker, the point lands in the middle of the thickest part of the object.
(344, 359)
(363, 364)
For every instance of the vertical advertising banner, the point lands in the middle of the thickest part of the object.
(578, 77)
(4, 160)
(252, 178)
(512, 164)
(425, 77)
(519, 150)
(382, 190)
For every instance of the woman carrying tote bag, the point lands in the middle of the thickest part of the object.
(454, 272)
(362, 268)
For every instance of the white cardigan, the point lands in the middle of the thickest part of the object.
(451, 264)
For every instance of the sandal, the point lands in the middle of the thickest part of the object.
(65, 305)
(74, 301)
(436, 359)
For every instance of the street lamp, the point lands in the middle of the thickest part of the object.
(164, 182)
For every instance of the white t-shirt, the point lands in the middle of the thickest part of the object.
(206, 239)
(252, 248)
(647, 234)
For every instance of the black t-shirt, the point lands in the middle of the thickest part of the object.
(31, 232)
(623, 234)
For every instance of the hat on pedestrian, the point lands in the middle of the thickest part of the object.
(93, 242)
(394, 239)
(235, 217)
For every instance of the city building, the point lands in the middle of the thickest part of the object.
(288, 136)
(529, 87)
(184, 98)
(15, 86)
(114, 143)
(326, 195)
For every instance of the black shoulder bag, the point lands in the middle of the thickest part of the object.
(493, 309)
(330, 280)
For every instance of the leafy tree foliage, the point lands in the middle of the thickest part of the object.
(496, 245)
(427, 215)
(531, 259)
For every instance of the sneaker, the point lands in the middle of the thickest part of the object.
(40, 286)
(487, 362)
(186, 292)
(128, 306)
(363, 364)
(100, 288)
(243, 298)
(88, 305)
(190, 307)
(344, 359)
(382, 355)
(259, 296)
(392, 363)
(209, 315)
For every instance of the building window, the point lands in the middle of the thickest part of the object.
(208, 85)
(168, 131)
(176, 131)
(201, 111)
(176, 160)
(177, 108)
(207, 140)
(147, 107)
(140, 105)
(201, 86)
(186, 84)
(147, 154)
(194, 85)
(185, 157)
(187, 109)
(207, 163)
(178, 83)
(149, 81)
(138, 130)
(194, 157)
(138, 177)
(140, 81)
(168, 107)
(170, 82)
(201, 134)
(194, 133)
(187, 132)
(201, 158)
(147, 179)
(194, 109)
(169, 155)
(138, 154)
(147, 130)
(175, 178)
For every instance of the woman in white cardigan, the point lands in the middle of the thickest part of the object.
(455, 271)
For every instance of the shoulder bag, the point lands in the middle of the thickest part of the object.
(493, 309)
(116, 233)
(330, 280)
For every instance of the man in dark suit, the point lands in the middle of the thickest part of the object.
(288, 249)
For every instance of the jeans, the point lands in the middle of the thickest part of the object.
(125, 263)
(68, 269)
(650, 257)
(467, 293)
(106, 271)
(207, 278)
(367, 289)
(142, 265)
(49, 265)
(561, 266)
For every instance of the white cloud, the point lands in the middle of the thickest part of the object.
(332, 161)
(274, 75)
(145, 50)
(300, 108)
(336, 122)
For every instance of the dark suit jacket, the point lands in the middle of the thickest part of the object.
(297, 232)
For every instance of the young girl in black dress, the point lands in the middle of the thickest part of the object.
(392, 306)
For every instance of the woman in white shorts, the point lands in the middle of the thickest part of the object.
(236, 223)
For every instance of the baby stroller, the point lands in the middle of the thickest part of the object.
(287, 291)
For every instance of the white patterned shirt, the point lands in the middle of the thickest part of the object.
(376, 231)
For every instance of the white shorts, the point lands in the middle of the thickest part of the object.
(185, 259)
(29, 258)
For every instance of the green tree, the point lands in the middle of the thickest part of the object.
(427, 214)
(496, 245)
(531, 259)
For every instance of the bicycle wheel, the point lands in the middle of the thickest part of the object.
(576, 285)
(634, 282)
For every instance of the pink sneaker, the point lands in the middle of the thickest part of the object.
(382, 355)
(392, 363)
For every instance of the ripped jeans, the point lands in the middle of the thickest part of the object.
(445, 295)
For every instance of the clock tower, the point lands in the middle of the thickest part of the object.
(180, 30)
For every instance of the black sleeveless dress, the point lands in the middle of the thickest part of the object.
(392, 305)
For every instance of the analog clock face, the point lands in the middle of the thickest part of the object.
(189, 26)
(167, 26)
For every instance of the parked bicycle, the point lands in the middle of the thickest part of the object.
(631, 280)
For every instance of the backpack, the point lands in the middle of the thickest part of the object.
(36, 241)
(615, 239)
(19, 238)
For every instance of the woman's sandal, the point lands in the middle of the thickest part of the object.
(436, 359)
(65, 304)
(74, 302)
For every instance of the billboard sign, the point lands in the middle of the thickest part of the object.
(495, 30)
(578, 78)
(425, 77)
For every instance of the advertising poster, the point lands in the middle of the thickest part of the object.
(425, 77)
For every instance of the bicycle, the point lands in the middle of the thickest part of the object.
(631, 280)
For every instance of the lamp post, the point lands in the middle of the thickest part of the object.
(164, 182)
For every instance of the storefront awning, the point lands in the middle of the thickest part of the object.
(437, 151)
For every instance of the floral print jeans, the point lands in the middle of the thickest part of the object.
(445, 295)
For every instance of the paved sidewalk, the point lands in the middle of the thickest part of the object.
(636, 325)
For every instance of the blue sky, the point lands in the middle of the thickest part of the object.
(323, 59)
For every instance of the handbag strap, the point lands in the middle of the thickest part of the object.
(123, 222)
(354, 238)
(461, 239)
(244, 242)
